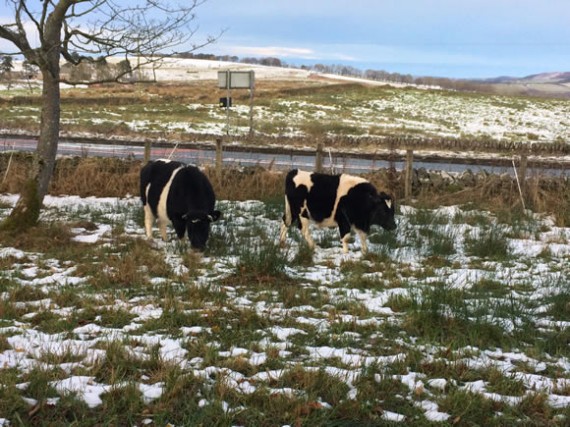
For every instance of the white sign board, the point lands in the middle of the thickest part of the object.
(236, 79)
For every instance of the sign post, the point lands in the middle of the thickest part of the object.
(237, 80)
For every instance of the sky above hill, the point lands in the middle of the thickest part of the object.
(449, 38)
(446, 38)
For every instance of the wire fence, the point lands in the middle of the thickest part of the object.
(285, 158)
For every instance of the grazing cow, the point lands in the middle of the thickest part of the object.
(343, 200)
(181, 195)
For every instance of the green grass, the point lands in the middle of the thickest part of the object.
(491, 243)
(559, 303)
(445, 316)
(489, 287)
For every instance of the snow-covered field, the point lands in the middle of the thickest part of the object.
(424, 110)
(381, 109)
(409, 334)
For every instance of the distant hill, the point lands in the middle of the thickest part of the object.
(556, 77)
(544, 78)
(551, 85)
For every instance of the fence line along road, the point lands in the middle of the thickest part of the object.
(283, 158)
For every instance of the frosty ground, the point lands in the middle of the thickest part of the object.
(458, 316)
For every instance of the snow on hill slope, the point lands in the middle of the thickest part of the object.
(187, 69)
(184, 69)
(549, 78)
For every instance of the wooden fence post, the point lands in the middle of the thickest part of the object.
(409, 172)
(319, 158)
(219, 157)
(147, 146)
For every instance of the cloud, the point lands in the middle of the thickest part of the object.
(284, 52)
(317, 53)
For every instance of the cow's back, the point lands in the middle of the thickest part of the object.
(190, 190)
(154, 177)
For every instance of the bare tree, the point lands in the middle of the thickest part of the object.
(78, 31)
(6, 67)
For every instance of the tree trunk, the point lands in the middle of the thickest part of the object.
(49, 132)
(27, 210)
(26, 213)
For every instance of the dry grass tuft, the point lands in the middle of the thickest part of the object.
(100, 177)
(246, 184)
(43, 237)
(14, 169)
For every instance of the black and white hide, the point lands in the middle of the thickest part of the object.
(344, 201)
(181, 195)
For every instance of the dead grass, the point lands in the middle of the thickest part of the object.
(43, 237)
(497, 194)
(13, 171)
(246, 184)
(111, 177)
(96, 177)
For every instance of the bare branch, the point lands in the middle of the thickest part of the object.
(106, 28)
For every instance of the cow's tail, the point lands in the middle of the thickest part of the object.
(287, 219)
(145, 178)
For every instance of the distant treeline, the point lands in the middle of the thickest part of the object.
(349, 71)
(98, 69)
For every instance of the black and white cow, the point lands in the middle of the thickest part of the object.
(182, 195)
(346, 201)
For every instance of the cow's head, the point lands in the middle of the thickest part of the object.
(198, 227)
(383, 211)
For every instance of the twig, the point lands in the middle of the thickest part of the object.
(333, 169)
(8, 166)
(519, 185)
(173, 150)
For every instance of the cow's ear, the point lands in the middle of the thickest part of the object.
(214, 216)
(386, 198)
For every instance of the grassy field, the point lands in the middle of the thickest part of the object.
(460, 317)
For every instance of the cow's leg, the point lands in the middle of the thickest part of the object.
(344, 231)
(148, 221)
(306, 232)
(363, 242)
(344, 241)
(283, 233)
(162, 223)
(179, 226)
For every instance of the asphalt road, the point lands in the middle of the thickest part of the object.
(200, 156)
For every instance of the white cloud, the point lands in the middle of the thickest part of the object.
(284, 52)
(318, 53)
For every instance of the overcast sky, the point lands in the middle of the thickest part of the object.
(450, 38)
